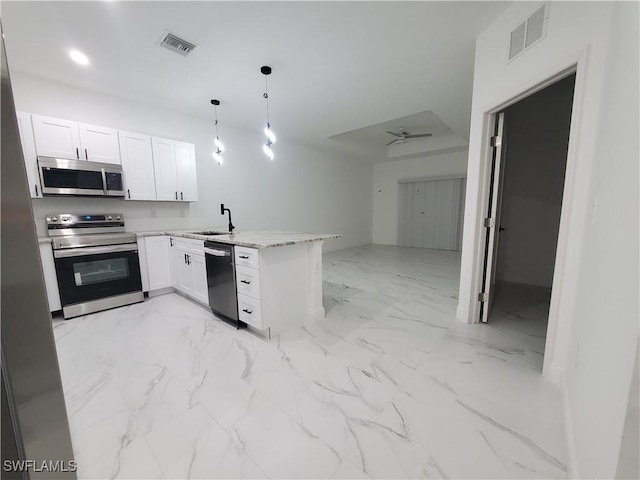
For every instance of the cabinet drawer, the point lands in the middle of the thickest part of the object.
(250, 311)
(188, 245)
(248, 281)
(248, 257)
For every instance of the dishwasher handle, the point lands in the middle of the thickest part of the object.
(217, 253)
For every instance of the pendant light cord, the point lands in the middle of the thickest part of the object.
(266, 95)
(216, 122)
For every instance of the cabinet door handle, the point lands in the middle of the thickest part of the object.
(176, 195)
(181, 198)
(185, 258)
(129, 193)
(36, 189)
(243, 256)
(247, 282)
(170, 242)
(188, 259)
(86, 154)
(77, 153)
(247, 311)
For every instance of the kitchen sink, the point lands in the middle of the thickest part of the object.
(208, 232)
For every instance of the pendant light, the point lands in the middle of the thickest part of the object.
(217, 154)
(271, 138)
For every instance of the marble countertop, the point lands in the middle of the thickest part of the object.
(186, 232)
(259, 239)
(252, 239)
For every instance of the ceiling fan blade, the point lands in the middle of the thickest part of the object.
(419, 135)
(394, 134)
(392, 142)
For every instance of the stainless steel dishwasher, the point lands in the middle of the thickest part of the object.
(221, 281)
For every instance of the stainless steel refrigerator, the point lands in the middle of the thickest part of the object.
(34, 418)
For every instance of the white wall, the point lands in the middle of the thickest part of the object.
(537, 138)
(386, 192)
(302, 190)
(591, 350)
(604, 331)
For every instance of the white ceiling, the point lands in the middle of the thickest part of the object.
(376, 137)
(337, 66)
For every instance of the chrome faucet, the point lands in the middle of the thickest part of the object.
(222, 210)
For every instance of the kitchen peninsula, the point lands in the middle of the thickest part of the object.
(278, 275)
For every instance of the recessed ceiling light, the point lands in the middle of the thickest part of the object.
(79, 57)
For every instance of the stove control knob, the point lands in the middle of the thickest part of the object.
(64, 219)
(55, 219)
(118, 217)
(109, 217)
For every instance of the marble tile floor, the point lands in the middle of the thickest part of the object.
(523, 310)
(389, 385)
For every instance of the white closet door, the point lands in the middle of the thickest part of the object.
(431, 214)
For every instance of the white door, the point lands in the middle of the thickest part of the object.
(199, 270)
(158, 263)
(56, 137)
(187, 174)
(99, 144)
(492, 221)
(164, 166)
(431, 214)
(137, 166)
(29, 151)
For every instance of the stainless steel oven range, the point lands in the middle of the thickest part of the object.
(96, 262)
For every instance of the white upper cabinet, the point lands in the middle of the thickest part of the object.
(187, 174)
(99, 144)
(164, 164)
(175, 170)
(29, 151)
(55, 137)
(137, 164)
(154, 168)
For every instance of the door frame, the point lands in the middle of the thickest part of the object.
(578, 65)
(494, 204)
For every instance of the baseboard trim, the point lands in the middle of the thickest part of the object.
(461, 314)
(161, 291)
(554, 373)
(570, 444)
(315, 314)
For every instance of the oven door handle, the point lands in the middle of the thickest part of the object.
(80, 252)
(104, 179)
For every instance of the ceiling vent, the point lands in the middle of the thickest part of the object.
(176, 44)
(529, 32)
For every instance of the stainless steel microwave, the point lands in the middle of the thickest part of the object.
(59, 176)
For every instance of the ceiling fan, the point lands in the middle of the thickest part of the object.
(402, 136)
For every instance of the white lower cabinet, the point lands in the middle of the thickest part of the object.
(248, 281)
(272, 286)
(158, 263)
(250, 311)
(199, 267)
(50, 279)
(188, 268)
